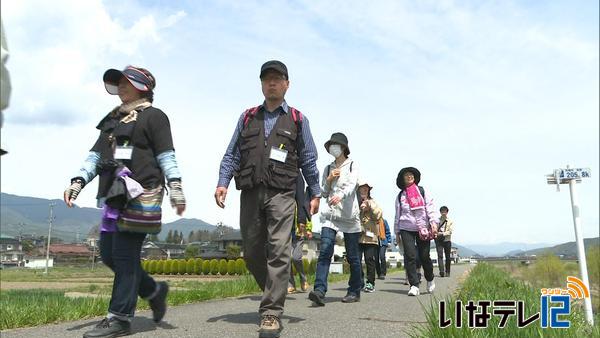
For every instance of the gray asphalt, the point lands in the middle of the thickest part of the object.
(388, 312)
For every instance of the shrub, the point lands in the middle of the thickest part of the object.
(549, 270)
(214, 266)
(345, 267)
(173, 267)
(233, 251)
(305, 264)
(240, 266)
(206, 267)
(593, 264)
(198, 266)
(160, 265)
(145, 265)
(223, 267)
(231, 267)
(181, 266)
(312, 267)
(399, 264)
(152, 269)
(189, 266)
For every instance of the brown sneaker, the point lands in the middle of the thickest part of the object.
(270, 327)
(304, 286)
(291, 290)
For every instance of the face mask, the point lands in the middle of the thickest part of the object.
(335, 150)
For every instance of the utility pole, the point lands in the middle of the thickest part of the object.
(49, 234)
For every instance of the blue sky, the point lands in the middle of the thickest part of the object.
(484, 97)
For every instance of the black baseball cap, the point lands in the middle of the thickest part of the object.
(275, 65)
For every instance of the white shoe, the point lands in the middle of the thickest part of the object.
(414, 291)
(430, 286)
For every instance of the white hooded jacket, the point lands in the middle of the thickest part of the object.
(345, 216)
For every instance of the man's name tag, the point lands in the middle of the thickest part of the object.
(278, 155)
(370, 234)
(123, 153)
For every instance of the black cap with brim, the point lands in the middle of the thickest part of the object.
(400, 179)
(275, 65)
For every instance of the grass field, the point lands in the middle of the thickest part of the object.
(488, 282)
(32, 307)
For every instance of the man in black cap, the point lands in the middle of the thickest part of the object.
(270, 143)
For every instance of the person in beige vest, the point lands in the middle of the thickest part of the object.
(443, 242)
(370, 215)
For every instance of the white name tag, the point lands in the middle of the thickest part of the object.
(123, 153)
(370, 234)
(278, 155)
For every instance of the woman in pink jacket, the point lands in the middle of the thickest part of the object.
(416, 224)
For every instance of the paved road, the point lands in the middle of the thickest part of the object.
(388, 312)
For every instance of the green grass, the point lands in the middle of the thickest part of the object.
(487, 282)
(22, 308)
(54, 274)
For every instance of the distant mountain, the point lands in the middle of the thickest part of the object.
(464, 251)
(186, 225)
(503, 249)
(567, 249)
(29, 216)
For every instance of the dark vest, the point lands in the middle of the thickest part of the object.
(256, 166)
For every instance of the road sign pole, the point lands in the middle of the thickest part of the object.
(589, 316)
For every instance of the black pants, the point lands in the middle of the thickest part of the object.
(381, 263)
(371, 253)
(443, 248)
(413, 247)
(120, 251)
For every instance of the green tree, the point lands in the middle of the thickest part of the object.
(233, 251)
(169, 237)
(214, 266)
(191, 236)
(223, 267)
(198, 266)
(231, 267)
(192, 251)
(206, 267)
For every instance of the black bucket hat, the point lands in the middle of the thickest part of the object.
(338, 138)
(400, 179)
(140, 78)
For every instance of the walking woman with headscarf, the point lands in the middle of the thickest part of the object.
(416, 225)
(132, 156)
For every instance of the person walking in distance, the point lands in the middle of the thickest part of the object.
(443, 242)
(271, 142)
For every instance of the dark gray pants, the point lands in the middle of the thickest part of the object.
(297, 261)
(266, 218)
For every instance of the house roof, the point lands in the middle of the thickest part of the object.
(231, 236)
(69, 249)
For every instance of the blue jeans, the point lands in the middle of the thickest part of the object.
(120, 251)
(352, 254)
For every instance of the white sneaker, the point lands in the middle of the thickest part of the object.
(430, 286)
(414, 291)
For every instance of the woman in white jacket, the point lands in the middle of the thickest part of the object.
(341, 213)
